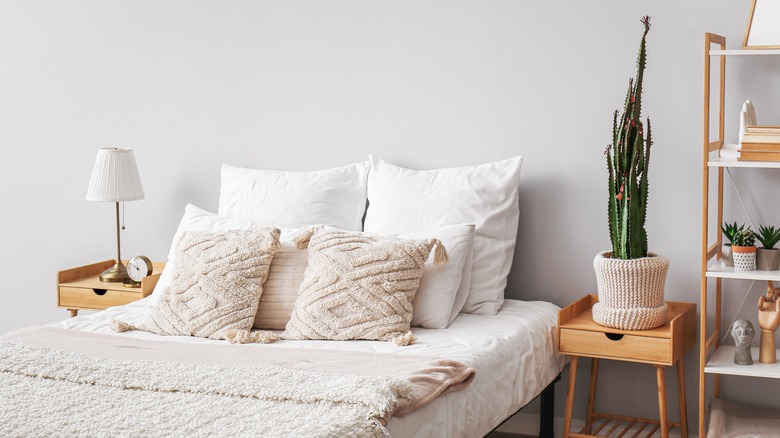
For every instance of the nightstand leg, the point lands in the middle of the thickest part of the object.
(681, 396)
(570, 396)
(594, 374)
(73, 312)
(662, 401)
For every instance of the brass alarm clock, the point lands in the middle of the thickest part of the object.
(138, 268)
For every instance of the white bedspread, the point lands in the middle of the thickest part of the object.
(513, 352)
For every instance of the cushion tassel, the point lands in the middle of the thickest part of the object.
(121, 326)
(276, 245)
(247, 337)
(404, 339)
(440, 255)
(302, 241)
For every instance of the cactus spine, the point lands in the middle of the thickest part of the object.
(628, 158)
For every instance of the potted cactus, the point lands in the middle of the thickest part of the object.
(743, 248)
(768, 257)
(630, 279)
(729, 230)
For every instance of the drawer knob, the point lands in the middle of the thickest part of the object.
(100, 291)
(614, 336)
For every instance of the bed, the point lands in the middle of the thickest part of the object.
(514, 354)
(470, 360)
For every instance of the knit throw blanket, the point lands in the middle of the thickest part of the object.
(50, 392)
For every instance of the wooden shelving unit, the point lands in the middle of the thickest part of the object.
(715, 359)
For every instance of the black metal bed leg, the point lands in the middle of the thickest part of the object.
(547, 414)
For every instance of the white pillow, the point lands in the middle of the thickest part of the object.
(335, 197)
(197, 219)
(442, 292)
(404, 201)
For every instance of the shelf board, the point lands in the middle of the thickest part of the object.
(718, 270)
(745, 52)
(722, 362)
(733, 162)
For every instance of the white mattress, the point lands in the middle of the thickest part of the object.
(514, 354)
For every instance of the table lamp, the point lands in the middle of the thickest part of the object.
(115, 179)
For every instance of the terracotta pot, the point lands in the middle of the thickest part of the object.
(767, 259)
(744, 258)
(631, 292)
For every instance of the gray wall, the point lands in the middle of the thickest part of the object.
(304, 85)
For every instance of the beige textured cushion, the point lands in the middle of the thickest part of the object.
(359, 286)
(217, 282)
(281, 288)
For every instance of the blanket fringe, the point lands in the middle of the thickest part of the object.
(404, 339)
(121, 326)
(382, 429)
(248, 337)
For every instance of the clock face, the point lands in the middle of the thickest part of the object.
(138, 268)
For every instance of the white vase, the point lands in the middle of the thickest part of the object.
(631, 292)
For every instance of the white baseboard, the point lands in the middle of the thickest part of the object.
(528, 424)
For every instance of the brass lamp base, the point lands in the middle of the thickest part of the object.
(115, 274)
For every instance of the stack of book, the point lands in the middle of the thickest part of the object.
(761, 143)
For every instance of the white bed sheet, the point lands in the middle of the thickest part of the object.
(514, 354)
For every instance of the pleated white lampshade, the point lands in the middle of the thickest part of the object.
(115, 177)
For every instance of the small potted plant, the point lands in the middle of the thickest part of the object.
(768, 257)
(729, 230)
(744, 250)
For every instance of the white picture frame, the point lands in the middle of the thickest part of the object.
(763, 28)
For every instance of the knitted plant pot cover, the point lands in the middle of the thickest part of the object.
(631, 292)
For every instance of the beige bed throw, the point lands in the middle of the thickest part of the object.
(139, 386)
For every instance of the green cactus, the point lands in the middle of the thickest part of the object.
(730, 230)
(628, 159)
(745, 237)
(768, 236)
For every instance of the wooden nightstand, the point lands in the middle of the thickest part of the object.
(80, 288)
(664, 346)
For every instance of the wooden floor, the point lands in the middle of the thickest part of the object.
(506, 435)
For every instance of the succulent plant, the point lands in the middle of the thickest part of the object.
(744, 237)
(628, 159)
(768, 236)
(730, 230)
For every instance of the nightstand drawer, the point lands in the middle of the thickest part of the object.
(619, 346)
(88, 298)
